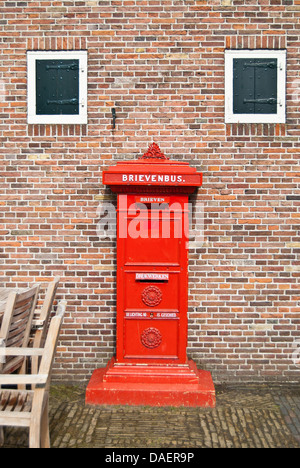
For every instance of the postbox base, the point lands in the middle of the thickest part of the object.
(174, 385)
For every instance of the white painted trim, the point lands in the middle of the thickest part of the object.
(280, 116)
(32, 117)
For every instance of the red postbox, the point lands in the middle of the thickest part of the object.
(151, 365)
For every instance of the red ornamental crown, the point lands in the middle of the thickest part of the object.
(154, 152)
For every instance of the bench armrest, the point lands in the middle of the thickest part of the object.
(10, 351)
(23, 379)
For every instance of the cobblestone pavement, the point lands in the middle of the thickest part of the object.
(245, 417)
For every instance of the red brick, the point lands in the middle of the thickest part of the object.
(162, 68)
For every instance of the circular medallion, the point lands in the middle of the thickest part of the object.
(151, 338)
(152, 296)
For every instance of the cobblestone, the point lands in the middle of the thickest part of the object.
(245, 417)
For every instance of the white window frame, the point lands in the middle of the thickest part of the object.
(32, 117)
(280, 116)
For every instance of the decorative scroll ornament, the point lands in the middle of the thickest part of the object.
(151, 338)
(154, 152)
(152, 296)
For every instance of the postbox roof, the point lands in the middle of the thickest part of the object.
(152, 172)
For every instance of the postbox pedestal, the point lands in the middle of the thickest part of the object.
(169, 385)
(151, 365)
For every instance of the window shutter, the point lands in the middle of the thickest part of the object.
(255, 86)
(57, 87)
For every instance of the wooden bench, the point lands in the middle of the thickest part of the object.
(16, 325)
(41, 320)
(29, 408)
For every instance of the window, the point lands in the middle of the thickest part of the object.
(57, 87)
(255, 85)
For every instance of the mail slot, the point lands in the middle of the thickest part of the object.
(152, 281)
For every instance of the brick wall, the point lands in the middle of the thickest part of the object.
(161, 65)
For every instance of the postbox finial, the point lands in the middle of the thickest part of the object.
(154, 152)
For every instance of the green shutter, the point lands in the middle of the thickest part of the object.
(57, 87)
(254, 86)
